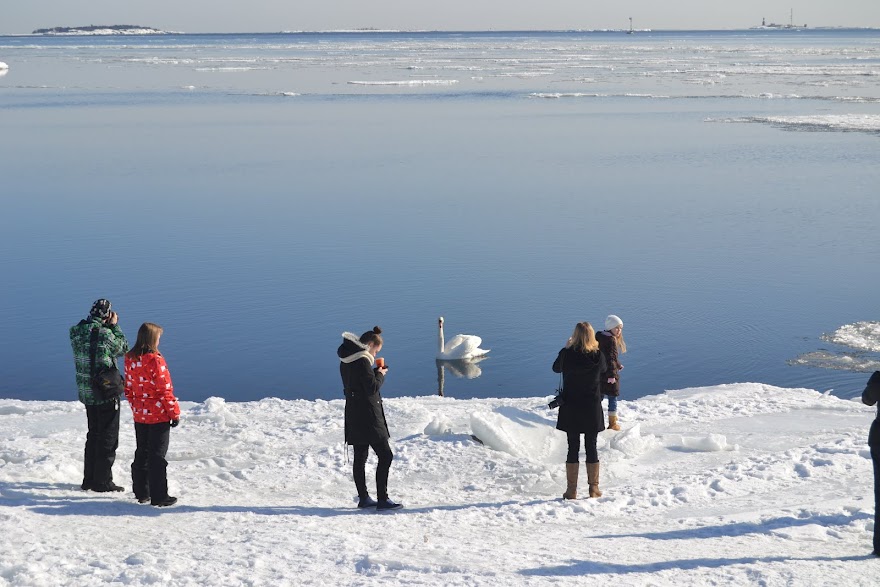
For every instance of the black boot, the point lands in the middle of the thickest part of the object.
(366, 501)
(164, 503)
(387, 504)
(110, 486)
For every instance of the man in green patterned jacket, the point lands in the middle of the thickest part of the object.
(103, 414)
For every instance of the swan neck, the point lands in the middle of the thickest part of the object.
(440, 338)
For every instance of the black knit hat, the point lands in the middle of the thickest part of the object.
(100, 309)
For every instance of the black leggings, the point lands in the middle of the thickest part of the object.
(383, 451)
(875, 458)
(574, 447)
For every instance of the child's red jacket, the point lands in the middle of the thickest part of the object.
(149, 390)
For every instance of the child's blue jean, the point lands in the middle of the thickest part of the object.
(612, 403)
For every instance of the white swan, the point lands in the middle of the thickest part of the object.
(460, 346)
(3, 65)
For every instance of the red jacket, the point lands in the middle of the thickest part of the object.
(148, 389)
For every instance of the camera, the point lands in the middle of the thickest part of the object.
(556, 402)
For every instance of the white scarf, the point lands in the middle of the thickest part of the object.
(364, 354)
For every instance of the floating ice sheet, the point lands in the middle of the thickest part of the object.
(825, 122)
(860, 335)
(864, 337)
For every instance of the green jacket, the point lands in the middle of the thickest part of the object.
(111, 344)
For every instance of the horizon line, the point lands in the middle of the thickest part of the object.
(500, 30)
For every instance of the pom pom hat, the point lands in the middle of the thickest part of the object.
(612, 322)
(100, 309)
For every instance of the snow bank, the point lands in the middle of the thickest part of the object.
(728, 485)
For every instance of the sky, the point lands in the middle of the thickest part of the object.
(199, 16)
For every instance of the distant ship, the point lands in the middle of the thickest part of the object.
(773, 25)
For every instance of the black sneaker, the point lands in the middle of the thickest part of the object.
(86, 485)
(387, 504)
(143, 500)
(107, 487)
(165, 502)
(367, 502)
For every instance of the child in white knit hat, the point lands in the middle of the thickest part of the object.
(611, 344)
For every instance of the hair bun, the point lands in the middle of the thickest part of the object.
(377, 330)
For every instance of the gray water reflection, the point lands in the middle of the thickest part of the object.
(461, 368)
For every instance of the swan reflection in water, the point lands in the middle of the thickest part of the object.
(461, 368)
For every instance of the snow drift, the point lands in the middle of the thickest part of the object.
(728, 485)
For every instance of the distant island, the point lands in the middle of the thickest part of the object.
(112, 29)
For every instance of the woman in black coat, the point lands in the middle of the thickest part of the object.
(580, 412)
(365, 424)
(871, 396)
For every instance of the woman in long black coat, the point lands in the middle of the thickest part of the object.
(581, 364)
(365, 424)
(871, 396)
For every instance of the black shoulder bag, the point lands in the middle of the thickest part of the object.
(558, 400)
(107, 382)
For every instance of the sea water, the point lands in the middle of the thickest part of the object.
(257, 195)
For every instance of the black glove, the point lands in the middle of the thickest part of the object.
(174, 423)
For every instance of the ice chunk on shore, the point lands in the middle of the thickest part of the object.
(438, 426)
(517, 432)
(631, 442)
(707, 443)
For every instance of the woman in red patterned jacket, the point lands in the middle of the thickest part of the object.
(150, 393)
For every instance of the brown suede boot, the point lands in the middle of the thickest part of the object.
(612, 421)
(593, 479)
(571, 477)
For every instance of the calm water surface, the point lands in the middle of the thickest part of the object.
(257, 195)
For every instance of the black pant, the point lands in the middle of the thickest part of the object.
(574, 447)
(148, 471)
(102, 441)
(875, 458)
(383, 451)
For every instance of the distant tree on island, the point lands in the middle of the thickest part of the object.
(121, 28)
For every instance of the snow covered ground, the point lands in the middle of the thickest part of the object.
(741, 484)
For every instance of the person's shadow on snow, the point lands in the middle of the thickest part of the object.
(64, 499)
(101, 506)
(744, 528)
(720, 531)
(597, 568)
